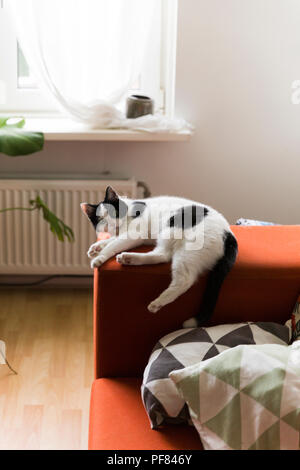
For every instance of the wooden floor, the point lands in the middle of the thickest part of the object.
(48, 335)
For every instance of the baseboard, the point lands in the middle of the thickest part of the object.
(46, 282)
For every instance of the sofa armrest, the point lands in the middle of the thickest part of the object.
(125, 331)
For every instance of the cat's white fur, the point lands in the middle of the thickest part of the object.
(187, 262)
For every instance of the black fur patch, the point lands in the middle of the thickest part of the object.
(216, 277)
(137, 208)
(188, 216)
(116, 208)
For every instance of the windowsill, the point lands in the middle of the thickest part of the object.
(64, 129)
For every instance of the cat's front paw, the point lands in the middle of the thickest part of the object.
(154, 306)
(124, 258)
(97, 262)
(94, 250)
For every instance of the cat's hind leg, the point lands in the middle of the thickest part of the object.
(184, 275)
(214, 282)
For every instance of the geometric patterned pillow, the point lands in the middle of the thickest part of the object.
(295, 321)
(185, 347)
(246, 398)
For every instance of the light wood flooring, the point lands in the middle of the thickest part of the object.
(48, 335)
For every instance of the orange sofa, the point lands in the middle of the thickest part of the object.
(263, 286)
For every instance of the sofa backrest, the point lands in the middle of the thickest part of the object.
(262, 286)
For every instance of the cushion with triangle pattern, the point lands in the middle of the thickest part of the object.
(186, 347)
(246, 398)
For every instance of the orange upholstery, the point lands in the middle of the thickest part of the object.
(118, 421)
(263, 285)
(264, 251)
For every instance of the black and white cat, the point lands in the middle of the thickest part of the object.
(194, 237)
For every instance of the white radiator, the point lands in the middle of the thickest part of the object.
(27, 246)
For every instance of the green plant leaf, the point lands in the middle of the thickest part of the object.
(15, 141)
(57, 226)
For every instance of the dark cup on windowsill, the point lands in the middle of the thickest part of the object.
(139, 105)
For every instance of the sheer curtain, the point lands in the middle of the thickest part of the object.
(87, 54)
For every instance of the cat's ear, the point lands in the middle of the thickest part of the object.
(89, 210)
(111, 196)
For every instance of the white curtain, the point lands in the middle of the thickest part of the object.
(88, 53)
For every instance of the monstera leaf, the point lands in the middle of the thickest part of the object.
(15, 141)
(57, 226)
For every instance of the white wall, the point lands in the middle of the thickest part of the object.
(236, 62)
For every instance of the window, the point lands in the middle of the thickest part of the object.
(18, 87)
(25, 77)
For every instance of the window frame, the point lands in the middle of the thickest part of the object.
(157, 78)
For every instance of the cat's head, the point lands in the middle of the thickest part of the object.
(109, 215)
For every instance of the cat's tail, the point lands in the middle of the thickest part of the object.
(214, 282)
